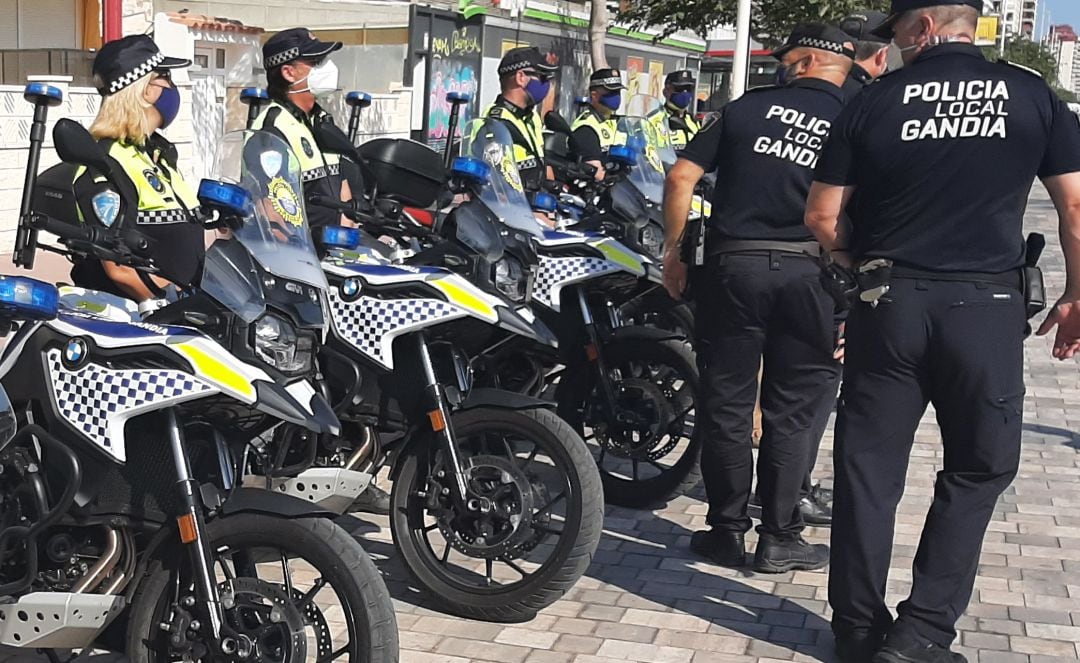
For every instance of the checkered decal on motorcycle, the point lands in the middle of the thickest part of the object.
(558, 271)
(92, 396)
(367, 322)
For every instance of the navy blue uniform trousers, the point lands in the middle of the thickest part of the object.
(957, 345)
(754, 307)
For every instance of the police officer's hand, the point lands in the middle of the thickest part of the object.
(674, 273)
(841, 342)
(1066, 317)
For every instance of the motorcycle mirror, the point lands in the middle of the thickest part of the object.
(74, 144)
(557, 123)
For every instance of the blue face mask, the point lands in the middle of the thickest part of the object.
(612, 100)
(681, 99)
(168, 104)
(537, 90)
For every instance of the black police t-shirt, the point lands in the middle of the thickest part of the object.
(942, 155)
(764, 147)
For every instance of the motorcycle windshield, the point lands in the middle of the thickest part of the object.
(647, 175)
(504, 194)
(276, 230)
(658, 132)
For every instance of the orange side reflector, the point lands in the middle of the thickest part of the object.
(438, 421)
(188, 532)
(590, 352)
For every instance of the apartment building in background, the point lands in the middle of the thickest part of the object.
(1019, 18)
(1063, 42)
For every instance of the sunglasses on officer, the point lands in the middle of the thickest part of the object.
(539, 75)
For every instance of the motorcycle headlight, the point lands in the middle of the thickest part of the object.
(279, 345)
(651, 239)
(511, 279)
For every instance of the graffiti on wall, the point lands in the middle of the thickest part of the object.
(455, 67)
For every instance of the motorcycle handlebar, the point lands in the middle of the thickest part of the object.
(129, 246)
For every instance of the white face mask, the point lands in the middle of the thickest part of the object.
(322, 80)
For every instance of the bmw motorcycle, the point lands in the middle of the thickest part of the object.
(496, 506)
(122, 524)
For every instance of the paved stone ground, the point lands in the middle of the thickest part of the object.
(646, 598)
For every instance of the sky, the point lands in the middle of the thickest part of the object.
(1061, 11)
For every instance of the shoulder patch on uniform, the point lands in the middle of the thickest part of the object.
(306, 144)
(153, 180)
(1021, 67)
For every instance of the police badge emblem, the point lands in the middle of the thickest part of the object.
(153, 180)
(285, 201)
(106, 207)
(304, 143)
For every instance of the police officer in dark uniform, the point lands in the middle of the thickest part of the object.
(596, 129)
(677, 114)
(871, 50)
(525, 77)
(933, 165)
(299, 73)
(758, 298)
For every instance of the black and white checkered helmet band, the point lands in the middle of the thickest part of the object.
(822, 44)
(611, 81)
(282, 57)
(135, 74)
(511, 68)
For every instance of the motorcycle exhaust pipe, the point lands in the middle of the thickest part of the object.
(366, 456)
(118, 583)
(356, 101)
(43, 96)
(103, 567)
(253, 98)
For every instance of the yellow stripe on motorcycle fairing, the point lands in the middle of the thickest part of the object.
(465, 295)
(212, 364)
(620, 255)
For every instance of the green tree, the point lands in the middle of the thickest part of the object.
(770, 20)
(1032, 55)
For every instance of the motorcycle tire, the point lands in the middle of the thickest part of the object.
(572, 553)
(336, 556)
(578, 384)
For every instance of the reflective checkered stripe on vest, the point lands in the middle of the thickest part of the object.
(531, 131)
(314, 165)
(606, 129)
(679, 137)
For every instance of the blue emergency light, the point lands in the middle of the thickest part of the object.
(636, 143)
(216, 194)
(471, 169)
(254, 93)
(458, 97)
(623, 154)
(23, 298)
(340, 237)
(43, 93)
(545, 202)
(358, 99)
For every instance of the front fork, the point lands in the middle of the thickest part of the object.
(594, 353)
(438, 411)
(192, 528)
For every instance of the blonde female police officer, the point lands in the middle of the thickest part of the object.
(139, 99)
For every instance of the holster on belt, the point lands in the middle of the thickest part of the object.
(693, 243)
(1034, 286)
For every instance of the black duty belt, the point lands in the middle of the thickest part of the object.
(1012, 279)
(811, 249)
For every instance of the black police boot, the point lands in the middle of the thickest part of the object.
(814, 510)
(373, 500)
(908, 648)
(858, 647)
(780, 555)
(719, 547)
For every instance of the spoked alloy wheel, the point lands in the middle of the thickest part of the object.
(292, 591)
(650, 449)
(531, 526)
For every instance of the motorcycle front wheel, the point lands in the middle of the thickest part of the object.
(535, 535)
(649, 449)
(298, 589)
